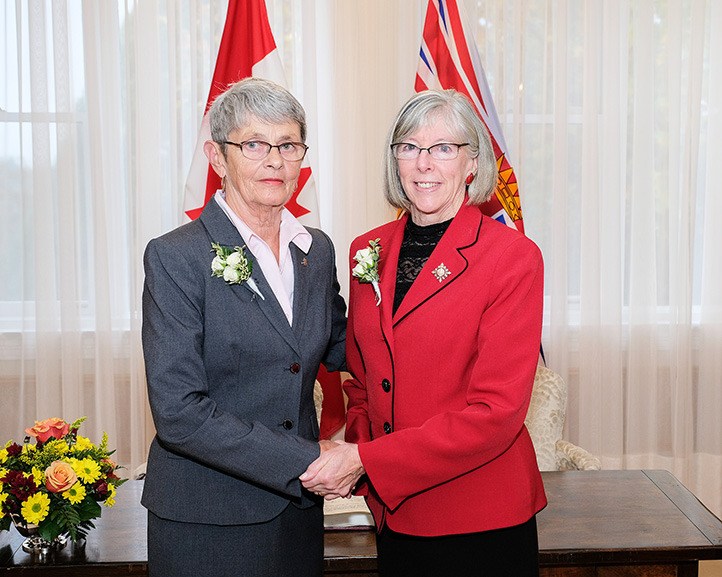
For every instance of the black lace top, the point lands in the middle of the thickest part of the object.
(416, 248)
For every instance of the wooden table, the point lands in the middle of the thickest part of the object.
(598, 523)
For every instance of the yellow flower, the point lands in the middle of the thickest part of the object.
(83, 443)
(3, 496)
(110, 500)
(3, 455)
(54, 444)
(38, 476)
(87, 470)
(36, 508)
(75, 494)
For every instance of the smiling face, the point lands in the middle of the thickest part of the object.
(254, 186)
(435, 188)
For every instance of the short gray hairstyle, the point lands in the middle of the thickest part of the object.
(253, 97)
(458, 111)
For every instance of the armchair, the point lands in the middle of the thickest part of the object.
(545, 422)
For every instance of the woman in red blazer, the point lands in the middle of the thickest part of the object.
(443, 338)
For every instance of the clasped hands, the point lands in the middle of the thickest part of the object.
(335, 473)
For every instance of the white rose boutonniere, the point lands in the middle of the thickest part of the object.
(232, 265)
(367, 269)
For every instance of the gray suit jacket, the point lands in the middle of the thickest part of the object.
(230, 382)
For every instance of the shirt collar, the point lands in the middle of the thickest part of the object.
(292, 231)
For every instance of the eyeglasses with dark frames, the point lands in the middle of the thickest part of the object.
(440, 151)
(258, 149)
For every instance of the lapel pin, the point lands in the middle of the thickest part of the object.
(441, 272)
(304, 261)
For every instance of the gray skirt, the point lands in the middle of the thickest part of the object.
(291, 545)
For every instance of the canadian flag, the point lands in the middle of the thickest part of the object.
(248, 49)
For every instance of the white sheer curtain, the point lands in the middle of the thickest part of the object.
(99, 108)
(612, 112)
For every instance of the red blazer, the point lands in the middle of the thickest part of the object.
(440, 389)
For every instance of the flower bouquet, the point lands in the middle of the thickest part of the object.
(55, 486)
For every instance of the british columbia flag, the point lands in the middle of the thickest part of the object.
(449, 59)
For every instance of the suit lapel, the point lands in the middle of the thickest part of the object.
(446, 263)
(388, 264)
(301, 287)
(221, 230)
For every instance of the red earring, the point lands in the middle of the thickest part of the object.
(470, 178)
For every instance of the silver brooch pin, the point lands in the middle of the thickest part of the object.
(441, 272)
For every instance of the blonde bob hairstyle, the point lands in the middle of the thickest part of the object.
(458, 112)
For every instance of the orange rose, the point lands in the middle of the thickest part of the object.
(44, 430)
(59, 477)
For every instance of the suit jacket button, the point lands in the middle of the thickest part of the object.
(387, 428)
(287, 424)
(386, 385)
(295, 368)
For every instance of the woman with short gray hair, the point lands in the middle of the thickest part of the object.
(240, 307)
